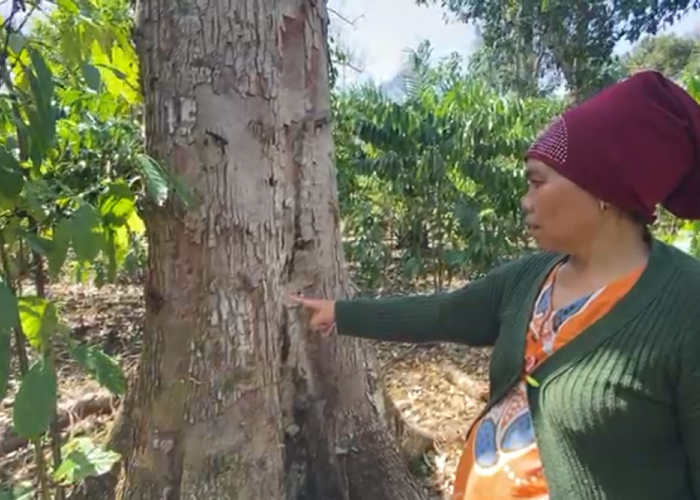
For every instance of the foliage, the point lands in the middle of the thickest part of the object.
(73, 177)
(532, 41)
(429, 181)
(673, 55)
(83, 459)
(686, 234)
(430, 185)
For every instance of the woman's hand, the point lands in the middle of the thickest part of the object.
(322, 313)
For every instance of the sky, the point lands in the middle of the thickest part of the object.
(378, 32)
(382, 30)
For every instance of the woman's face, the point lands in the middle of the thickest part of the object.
(560, 215)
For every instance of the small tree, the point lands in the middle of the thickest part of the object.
(71, 173)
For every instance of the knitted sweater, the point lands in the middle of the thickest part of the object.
(616, 411)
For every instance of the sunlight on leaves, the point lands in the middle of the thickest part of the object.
(38, 320)
(83, 459)
(100, 366)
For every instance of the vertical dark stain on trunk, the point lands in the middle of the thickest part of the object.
(312, 75)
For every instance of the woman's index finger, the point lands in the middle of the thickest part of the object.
(309, 303)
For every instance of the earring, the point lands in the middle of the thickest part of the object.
(603, 206)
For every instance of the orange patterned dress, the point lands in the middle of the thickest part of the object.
(501, 460)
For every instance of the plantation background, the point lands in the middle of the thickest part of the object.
(429, 185)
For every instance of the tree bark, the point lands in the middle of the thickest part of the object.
(235, 399)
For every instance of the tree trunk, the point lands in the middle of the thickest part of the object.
(235, 399)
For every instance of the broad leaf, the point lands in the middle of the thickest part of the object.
(59, 248)
(69, 6)
(40, 110)
(16, 42)
(35, 403)
(8, 309)
(44, 79)
(117, 248)
(154, 178)
(11, 178)
(22, 491)
(42, 125)
(135, 223)
(39, 244)
(86, 233)
(39, 320)
(117, 205)
(11, 143)
(101, 367)
(4, 362)
(83, 459)
(92, 76)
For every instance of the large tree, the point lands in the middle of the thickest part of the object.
(671, 54)
(532, 41)
(234, 398)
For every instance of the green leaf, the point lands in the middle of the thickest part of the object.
(100, 278)
(69, 6)
(4, 363)
(117, 248)
(60, 244)
(101, 367)
(412, 267)
(42, 126)
(92, 76)
(135, 224)
(111, 251)
(160, 180)
(11, 142)
(183, 194)
(40, 110)
(39, 244)
(35, 403)
(16, 42)
(83, 459)
(120, 243)
(8, 309)
(467, 216)
(44, 77)
(38, 319)
(11, 178)
(86, 233)
(22, 491)
(117, 205)
(154, 178)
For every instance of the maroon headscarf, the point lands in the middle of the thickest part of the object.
(635, 145)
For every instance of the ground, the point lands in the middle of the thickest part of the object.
(435, 390)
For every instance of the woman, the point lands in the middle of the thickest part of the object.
(595, 371)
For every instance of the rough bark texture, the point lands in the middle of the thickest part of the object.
(235, 399)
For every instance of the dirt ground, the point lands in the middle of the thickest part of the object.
(436, 389)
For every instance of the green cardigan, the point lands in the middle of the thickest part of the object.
(617, 411)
